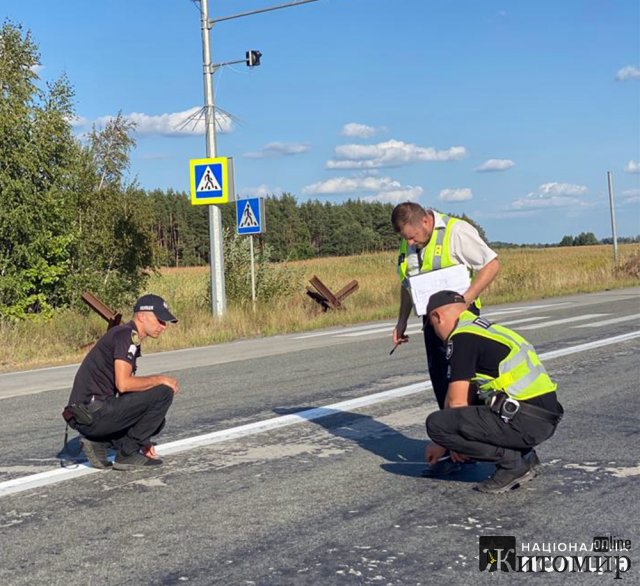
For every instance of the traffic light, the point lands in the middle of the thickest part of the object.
(252, 58)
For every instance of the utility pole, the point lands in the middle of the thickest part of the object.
(613, 217)
(216, 256)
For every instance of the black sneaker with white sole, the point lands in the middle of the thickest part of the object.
(96, 453)
(134, 461)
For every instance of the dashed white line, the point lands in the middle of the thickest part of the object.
(606, 322)
(566, 320)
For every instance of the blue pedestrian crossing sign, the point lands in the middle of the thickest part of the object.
(250, 216)
(211, 180)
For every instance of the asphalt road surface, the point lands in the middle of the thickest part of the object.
(296, 460)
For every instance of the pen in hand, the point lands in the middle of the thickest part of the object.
(393, 349)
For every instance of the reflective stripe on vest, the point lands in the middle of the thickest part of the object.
(521, 374)
(435, 255)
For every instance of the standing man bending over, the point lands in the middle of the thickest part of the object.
(520, 407)
(432, 241)
(111, 407)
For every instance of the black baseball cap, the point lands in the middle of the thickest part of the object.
(156, 304)
(444, 298)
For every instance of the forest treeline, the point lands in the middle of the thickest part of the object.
(294, 230)
(72, 221)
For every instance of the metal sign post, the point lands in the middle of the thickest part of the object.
(216, 257)
(613, 217)
(250, 220)
(253, 274)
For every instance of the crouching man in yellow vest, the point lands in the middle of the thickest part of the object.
(500, 368)
(433, 241)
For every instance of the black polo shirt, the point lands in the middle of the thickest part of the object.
(469, 354)
(96, 375)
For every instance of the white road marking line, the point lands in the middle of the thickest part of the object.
(566, 320)
(60, 474)
(387, 327)
(589, 345)
(606, 322)
(386, 330)
(418, 329)
(341, 331)
(521, 321)
(526, 308)
(410, 330)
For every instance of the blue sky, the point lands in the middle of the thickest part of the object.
(509, 111)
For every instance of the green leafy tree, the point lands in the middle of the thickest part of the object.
(38, 159)
(117, 249)
(585, 239)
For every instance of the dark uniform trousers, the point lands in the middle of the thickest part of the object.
(481, 434)
(129, 420)
(437, 359)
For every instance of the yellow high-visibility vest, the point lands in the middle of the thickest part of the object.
(435, 255)
(521, 374)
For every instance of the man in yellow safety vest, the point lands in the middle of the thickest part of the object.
(494, 366)
(431, 241)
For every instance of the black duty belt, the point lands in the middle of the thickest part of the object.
(507, 408)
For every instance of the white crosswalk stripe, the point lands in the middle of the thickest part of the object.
(566, 320)
(606, 322)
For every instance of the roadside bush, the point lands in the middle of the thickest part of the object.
(273, 281)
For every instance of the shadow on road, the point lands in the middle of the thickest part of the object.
(404, 455)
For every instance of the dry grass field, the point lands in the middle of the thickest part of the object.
(527, 273)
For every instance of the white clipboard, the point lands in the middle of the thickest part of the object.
(424, 285)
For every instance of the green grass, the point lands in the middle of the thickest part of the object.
(526, 274)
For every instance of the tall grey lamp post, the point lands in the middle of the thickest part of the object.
(216, 255)
(612, 209)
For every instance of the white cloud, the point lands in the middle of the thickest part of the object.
(190, 122)
(495, 165)
(392, 153)
(628, 72)
(37, 69)
(632, 167)
(631, 195)
(463, 194)
(356, 130)
(554, 189)
(262, 190)
(278, 149)
(373, 188)
(544, 202)
(552, 195)
(408, 193)
(79, 122)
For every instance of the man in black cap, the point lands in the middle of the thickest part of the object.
(500, 401)
(111, 407)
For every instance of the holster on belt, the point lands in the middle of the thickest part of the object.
(76, 415)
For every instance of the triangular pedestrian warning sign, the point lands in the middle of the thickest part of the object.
(248, 218)
(208, 182)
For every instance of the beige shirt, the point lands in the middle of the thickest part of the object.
(468, 248)
(465, 246)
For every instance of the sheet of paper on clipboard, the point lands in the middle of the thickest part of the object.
(424, 285)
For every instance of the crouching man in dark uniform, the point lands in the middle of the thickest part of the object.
(501, 369)
(111, 407)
